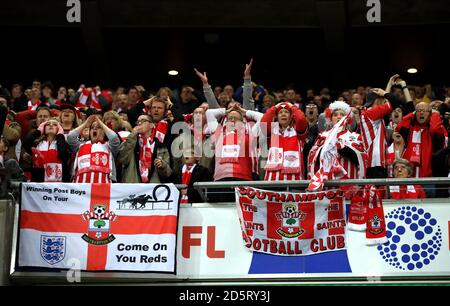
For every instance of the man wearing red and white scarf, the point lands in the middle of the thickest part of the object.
(287, 136)
(217, 111)
(157, 108)
(94, 161)
(232, 149)
(143, 157)
(232, 146)
(424, 134)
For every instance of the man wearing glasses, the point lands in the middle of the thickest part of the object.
(424, 133)
(144, 158)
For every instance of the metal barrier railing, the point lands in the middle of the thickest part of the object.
(203, 187)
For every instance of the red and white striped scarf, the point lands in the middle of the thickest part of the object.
(330, 167)
(230, 147)
(406, 192)
(186, 174)
(160, 130)
(146, 148)
(414, 149)
(34, 106)
(93, 163)
(45, 155)
(374, 134)
(88, 99)
(123, 135)
(253, 142)
(284, 153)
(367, 214)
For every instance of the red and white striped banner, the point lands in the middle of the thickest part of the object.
(291, 224)
(126, 227)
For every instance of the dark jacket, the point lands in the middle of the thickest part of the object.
(64, 154)
(199, 174)
(128, 156)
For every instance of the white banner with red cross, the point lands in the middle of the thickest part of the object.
(291, 224)
(106, 227)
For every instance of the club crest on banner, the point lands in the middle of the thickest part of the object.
(290, 218)
(376, 227)
(99, 220)
(53, 248)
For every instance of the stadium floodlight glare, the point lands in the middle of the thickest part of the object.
(173, 72)
(412, 70)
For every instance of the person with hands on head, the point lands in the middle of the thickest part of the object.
(143, 157)
(50, 153)
(424, 134)
(249, 122)
(401, 96)
(379, 104)
(233, 160)
(287, 135)
(158, 109)
(94, 161)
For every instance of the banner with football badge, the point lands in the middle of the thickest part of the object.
(107, 227)
(291, 224)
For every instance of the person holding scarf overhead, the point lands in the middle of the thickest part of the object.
(287, 135)
(144, 158)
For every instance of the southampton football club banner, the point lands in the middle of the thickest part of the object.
(291, 224)
(106, 227)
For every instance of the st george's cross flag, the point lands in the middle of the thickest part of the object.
(105, 227)
(291, 224)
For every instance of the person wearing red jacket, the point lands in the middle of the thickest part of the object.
(424, 133)
(287, 136)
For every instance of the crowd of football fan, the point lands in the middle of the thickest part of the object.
(92, 135)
